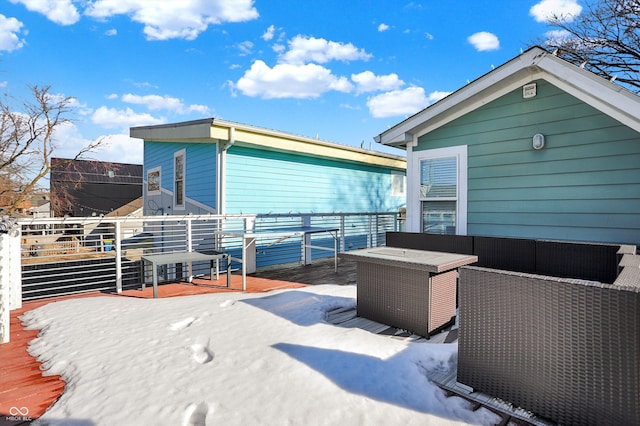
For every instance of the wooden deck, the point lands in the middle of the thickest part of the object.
(25, 394)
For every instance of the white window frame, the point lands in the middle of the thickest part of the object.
(414, 206)
(159, 190)
(183, 153)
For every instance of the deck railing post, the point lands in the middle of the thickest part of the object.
(15, 268)
(342, 233)
(10, 274)
(118, 246)
(376, 228)
(4, 290)
(306, 253)
(249, 254)
(189, 235)
(189, 243)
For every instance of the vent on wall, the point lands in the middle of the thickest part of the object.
(529, 90)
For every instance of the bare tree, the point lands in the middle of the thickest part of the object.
(27, 143)
(604, 39)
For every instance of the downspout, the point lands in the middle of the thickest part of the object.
(222, 192)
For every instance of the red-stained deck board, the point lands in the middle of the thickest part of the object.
(22, 385)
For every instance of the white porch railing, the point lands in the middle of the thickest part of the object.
(10, 297)
(48, 257)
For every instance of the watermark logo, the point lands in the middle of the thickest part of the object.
(18, 414)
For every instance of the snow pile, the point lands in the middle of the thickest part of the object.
(237, 359)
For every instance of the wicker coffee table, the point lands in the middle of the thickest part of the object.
(409, 289)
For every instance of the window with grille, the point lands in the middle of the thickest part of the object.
(439, 194)
(178, 178)
(153, 181)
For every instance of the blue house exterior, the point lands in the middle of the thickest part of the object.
(537, 148)
(217, 166)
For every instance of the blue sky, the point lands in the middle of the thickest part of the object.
(343, 71)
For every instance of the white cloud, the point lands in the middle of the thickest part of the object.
(310, 49)
(245, 47)
(61, 12)
(112, 32)
(398, 102)
(164, 20)
(111, 118)
(383, 27)
(369, 82)
(556, 37)
(269, 33)
(68, 140)
(436, 96)
(157, 102)
(117, 147)
(120, 148)
(143, 84)
(9, 34)
(289, 81)
(564, 10)
(154, 102)
(73, 103)
(201, 109)
(484, 41)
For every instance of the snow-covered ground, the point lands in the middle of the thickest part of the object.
(237, 359)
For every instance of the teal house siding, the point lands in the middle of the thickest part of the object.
(200, 176)
(232, 168)
(264, 181)
(584, 185)
(201, 173)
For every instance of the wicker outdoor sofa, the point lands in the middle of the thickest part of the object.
(552, 327)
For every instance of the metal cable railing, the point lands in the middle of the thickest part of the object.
(62, 256)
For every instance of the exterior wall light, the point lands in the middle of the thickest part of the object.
(538, 141)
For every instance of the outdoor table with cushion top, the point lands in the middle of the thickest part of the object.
(182, 257)
(410, 289)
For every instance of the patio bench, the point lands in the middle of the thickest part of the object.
(588, 261)
(185, 257)
(549, 326)
(566, 349)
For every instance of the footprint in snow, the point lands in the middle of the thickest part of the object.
(195, 415)
(182, 324)
(201, 353)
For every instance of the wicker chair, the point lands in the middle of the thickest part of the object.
(566, 349)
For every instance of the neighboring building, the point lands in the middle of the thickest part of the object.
(92, 188)
(536, 148)
(217, 166)
(40, 205)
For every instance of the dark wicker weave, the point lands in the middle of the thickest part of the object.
(593, 262)
(462, 244)
(406, 298)
(512, 254)
(566, 349)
